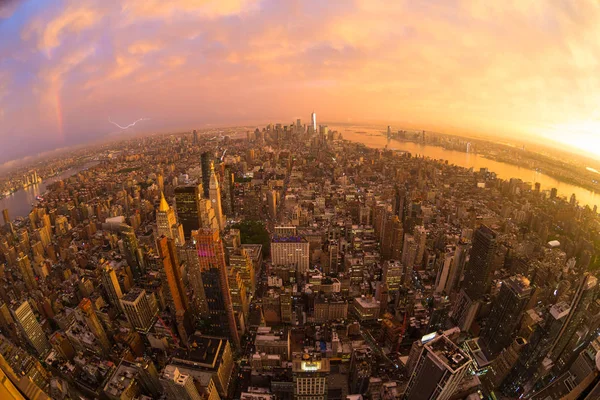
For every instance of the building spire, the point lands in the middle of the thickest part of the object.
(164, 206)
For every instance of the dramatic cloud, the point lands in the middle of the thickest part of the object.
(522, 68)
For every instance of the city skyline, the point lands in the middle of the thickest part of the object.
(82, 71)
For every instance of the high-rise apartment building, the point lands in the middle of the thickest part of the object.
(438, 371)
(137, 309)
(31, 328)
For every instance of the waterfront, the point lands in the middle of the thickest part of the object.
(19, 204)
(373, 138)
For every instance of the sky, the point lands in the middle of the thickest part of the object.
(519, 68)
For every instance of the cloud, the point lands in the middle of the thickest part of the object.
(513, 67)
(8, 8)
(73, 20)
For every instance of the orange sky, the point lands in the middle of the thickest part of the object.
(525, 68)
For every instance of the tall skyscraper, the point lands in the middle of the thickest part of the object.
(567, 338)
(27, 271)
(111, 285)
(172, 280)
(478, 272)
(93, 323)
(505, 315)
(215, 197)
(438, 371)
(205, 163)
(166, 222)
(31, 328)
(187, 200)
(313, 122)
(211, 255)
(228, 191)
(137, 309)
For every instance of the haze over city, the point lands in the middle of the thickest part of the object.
(299, 200)
(522, 69)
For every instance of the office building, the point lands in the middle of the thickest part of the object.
(478, 272)
(310, 373)
(240, 260)
(178, 386)
(137, 308)
(290, 251)
(31, 328)
(567, 338)
(211, 255)
(313, 122)
(171, 272)
(111, 285)
(166, 222)
(505, 315)
(26, 270)
(228, 191)
(215, 198)
(187, 201)
(205, 163)
(361, 369)
(93, 323)
(438, 371)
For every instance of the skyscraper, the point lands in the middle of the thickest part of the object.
(187, 199)
(215, 197)
(27, 271)
(137, 309)
(172, 280)
(567, 338)
(205, 163)
(477, 279)
(313, 121)
(31, 328)
(211, 256)
(228, 191)
(437, 373)
(93, 323)
(166, 222)
(111, 285)
(505, 316)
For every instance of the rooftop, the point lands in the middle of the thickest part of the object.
(450, 354)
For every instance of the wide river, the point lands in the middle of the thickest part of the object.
(19, 204)
(502, 170)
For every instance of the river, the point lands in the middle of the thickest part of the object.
(19, 204)
(373, 138)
